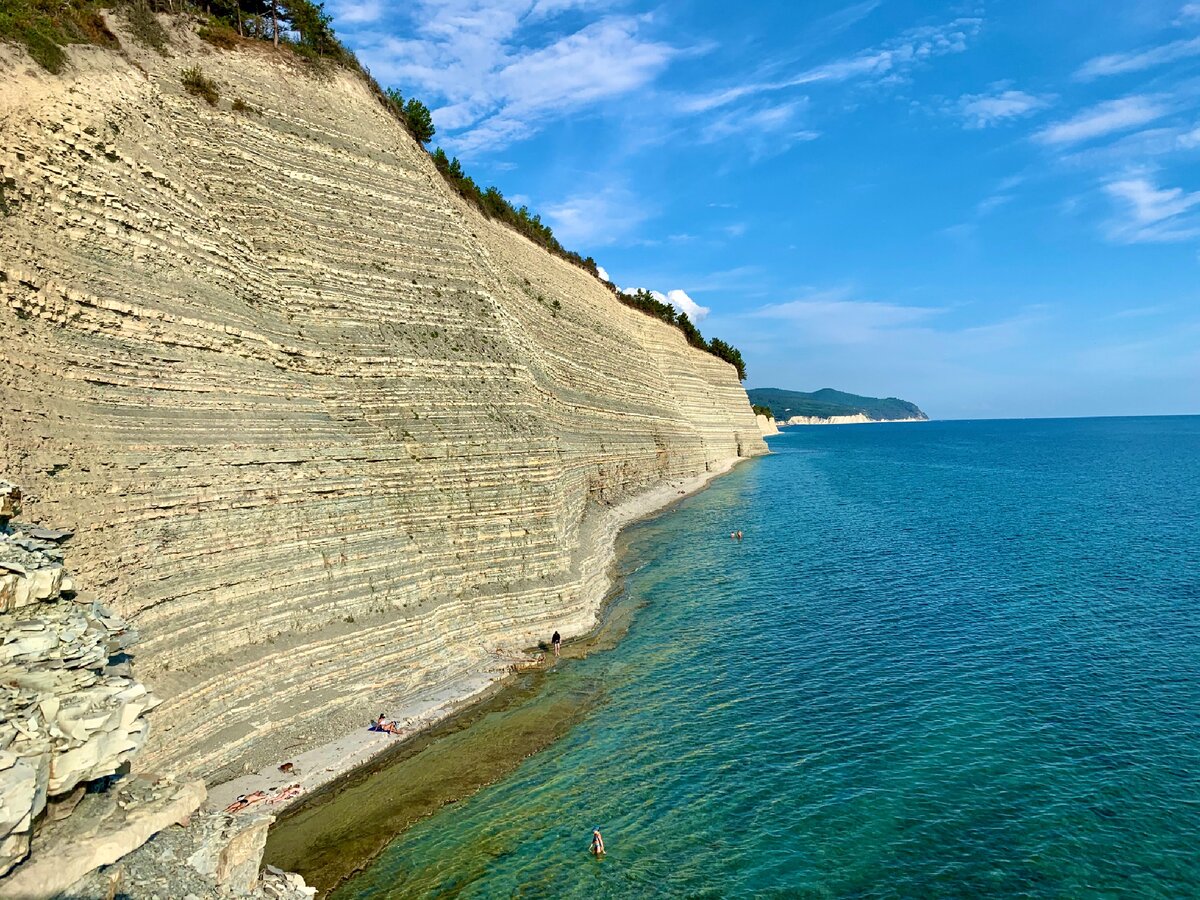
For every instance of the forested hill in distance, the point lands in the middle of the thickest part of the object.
(827, 402)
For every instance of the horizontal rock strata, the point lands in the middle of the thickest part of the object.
(328, 438)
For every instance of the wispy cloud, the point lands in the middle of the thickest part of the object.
(597, 218)
(1121, 63)
(1150, 214)
(841, 20)
(833, 317)
(499, 70)
(983, 110)
(357, 12)
(766, 131)
(892, 58)
(1137, 148)
(1105, 118)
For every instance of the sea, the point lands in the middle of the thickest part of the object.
(946, 659)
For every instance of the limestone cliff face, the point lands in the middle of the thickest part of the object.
(320, 429)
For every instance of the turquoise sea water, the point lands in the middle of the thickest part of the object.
(953, 659)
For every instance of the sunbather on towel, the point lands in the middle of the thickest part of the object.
(245, 800)
(382, 724)
(292, 790)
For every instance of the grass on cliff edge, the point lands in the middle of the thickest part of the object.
(44, 27)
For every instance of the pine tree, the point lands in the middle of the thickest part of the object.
(420, 121)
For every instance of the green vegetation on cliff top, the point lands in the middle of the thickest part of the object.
(305, 29)
(827, 402)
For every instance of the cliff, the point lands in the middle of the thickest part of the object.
(327, 437)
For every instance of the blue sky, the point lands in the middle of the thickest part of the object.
(989, 208)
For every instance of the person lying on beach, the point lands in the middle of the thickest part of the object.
(597, 843)
(245, 800)
(292, 790)
(382, 724)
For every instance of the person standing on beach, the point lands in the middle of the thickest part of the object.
(597, 843)
(557, 642)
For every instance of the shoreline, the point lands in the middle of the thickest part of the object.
(332, 835)
(321, 768)
(839, 420)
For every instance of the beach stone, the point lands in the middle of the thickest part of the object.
(231, 850)
(50, 534)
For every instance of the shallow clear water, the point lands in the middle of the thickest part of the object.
(947, 660)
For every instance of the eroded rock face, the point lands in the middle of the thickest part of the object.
(70, 712)
(343, 435)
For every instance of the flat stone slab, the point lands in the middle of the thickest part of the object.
(50, 534)
(62, 856)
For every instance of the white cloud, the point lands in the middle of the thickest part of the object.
(892, 58)
(1151, 214)
(1102, 119)
(1121, 63)
(682, 302)
(493, 78)
(1189, 11)
(678, 299)
(982, 110)
(603, 273)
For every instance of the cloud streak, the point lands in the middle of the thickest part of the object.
(831, 317)
(893, 58)
(1152, 214)
(1106, 118)
(1122, 63)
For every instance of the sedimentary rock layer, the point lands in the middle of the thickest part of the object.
(326, 436)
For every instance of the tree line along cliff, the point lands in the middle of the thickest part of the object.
(303, 30)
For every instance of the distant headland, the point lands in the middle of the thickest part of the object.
(829, 407)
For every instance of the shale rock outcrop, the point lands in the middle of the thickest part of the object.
(70, 711)
(326, 436)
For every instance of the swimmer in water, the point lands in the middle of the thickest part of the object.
(597, 843)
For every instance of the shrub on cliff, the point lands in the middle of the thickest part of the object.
(760, 410)
(219, 34)
(145, 27)
(195, 82)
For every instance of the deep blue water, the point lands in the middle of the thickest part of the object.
(954, 659)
